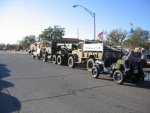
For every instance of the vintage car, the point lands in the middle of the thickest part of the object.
(128, 67)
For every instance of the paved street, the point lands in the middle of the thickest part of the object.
(32, 86)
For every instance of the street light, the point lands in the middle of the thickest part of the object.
(91, 13)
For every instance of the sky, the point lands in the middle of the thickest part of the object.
(20, 18)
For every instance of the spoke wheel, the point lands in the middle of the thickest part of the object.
(118, 77)
(95, 72)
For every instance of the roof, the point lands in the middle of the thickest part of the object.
(70, 40)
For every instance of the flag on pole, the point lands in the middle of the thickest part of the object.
(100, 36)
(131, 30)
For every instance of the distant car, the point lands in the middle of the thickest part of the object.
(17, 50)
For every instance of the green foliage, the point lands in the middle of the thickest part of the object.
(139, 38)
(8, 46)
(26, 41)
(116, 37)
(2, 46)
(50, 34)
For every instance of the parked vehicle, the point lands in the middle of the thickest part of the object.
(33, 47)
(36, 50)
(86, 53)
(128, 67)
(56, 52)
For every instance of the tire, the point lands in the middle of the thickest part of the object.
(95, 72)
(44, 57)
(59, 60)
(38, 57)
(71, 62)
(136, 79)
(118, 77)
(33, 56)
(54, 59)
(90, 64)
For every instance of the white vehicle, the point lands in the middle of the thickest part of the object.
(37, 51)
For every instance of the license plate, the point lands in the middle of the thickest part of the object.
(135, 71)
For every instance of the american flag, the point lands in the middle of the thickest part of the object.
(100, 36)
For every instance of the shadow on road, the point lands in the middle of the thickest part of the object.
(8, 103)
(141, 84)
(103, 78)
(81, 66)
(4, 72)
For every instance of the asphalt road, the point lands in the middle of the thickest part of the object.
(32, 86)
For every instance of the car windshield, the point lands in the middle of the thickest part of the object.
(113, 54)
(136, 55)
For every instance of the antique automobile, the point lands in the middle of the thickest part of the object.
(129, 67)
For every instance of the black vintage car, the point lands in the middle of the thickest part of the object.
(120, 69)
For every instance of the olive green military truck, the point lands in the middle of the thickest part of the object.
(86, 53)
(56, 52)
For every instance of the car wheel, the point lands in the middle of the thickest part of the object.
(38, 57)
(118, 77)
(71, 62)
(90, 64)
(59, 60)
(54, 59)
(33, 56)
(44, 57)
(136, 79)
(95, 72)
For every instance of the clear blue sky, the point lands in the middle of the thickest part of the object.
(19, 18)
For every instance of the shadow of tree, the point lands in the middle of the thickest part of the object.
(5, 84)
(4, 72)
(8, 103)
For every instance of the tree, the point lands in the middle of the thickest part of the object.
(46, 34)
(139, 38)
(117, 36)
(27, 41)
(2, 46)
(30, 39)
(50, 34)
